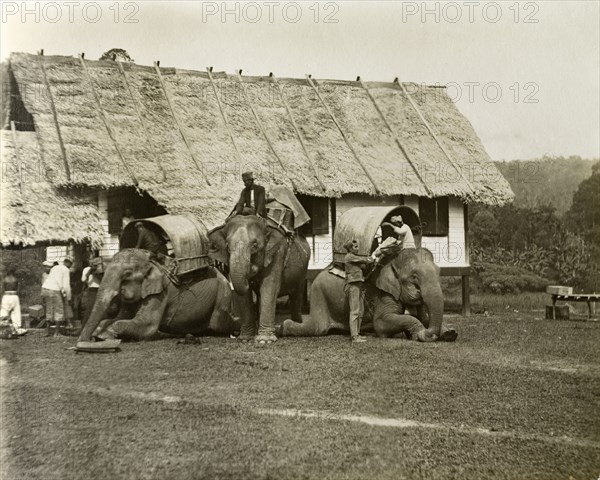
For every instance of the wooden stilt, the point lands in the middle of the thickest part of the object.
(466, 297)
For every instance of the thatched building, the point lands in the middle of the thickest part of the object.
(164, 139)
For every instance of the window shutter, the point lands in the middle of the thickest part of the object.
(318, 211)
(442, 216)
(320, 216)
(434, 215)
(115, 215)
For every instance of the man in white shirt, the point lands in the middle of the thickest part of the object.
(402, 232)
(56, 290)
(401, 237)
(91, 278)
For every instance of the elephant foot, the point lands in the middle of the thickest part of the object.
(265, 339)
(448, 334)
(426, 336)
(107, 334)
(246, 338)
(279, 330)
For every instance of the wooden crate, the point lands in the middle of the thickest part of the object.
(559, 290)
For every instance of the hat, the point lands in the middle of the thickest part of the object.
(247, 176)
(68, 259)
(47, 263)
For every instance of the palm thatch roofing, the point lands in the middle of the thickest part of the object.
(33, 210)
(185, 136)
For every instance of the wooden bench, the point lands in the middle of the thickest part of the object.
(582, 297)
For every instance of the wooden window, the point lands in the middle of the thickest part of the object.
(115, 213)
(433, 213)
(318, 211)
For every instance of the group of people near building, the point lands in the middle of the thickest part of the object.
(56, 293)
(56, 286)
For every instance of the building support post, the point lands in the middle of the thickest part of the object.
(466, 299)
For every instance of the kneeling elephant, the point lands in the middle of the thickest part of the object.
(149, 300)
(407, 281)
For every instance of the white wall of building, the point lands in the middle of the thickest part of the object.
(321, 247)
(448, 251)
(110, 242)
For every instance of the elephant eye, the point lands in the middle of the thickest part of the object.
(127, 274)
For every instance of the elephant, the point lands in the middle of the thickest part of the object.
(264, 259)
(149, 299)
(407, 280)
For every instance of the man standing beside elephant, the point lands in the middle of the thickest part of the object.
(56, 289)
(91, 277)
(354, 265)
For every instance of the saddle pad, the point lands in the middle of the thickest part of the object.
(337, 271)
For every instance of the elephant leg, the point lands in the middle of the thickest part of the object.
(245, 307)
(390, 320)
(221, 320)
(296, 300)
(143, 325)
(393, 323)
(267, 299)
(320, 320)
(124, 314)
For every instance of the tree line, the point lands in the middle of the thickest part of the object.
(548, 235)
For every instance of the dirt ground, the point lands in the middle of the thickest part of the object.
(515, 397)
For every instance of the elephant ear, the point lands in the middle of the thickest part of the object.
(275, 241)
(218, 245)
(387, 281)
(153, 282)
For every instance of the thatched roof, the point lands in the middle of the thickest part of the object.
(32, 209)
(185, 136)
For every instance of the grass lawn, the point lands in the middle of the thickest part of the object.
(515, 397)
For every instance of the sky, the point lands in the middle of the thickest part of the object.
(526, 74)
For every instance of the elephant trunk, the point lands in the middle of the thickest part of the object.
(109, 289)
(239, 271)
(433, 299)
